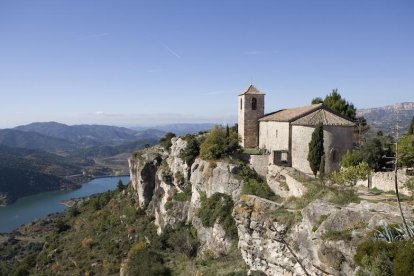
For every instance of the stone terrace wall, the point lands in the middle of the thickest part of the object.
(385, 181)
(260, 164)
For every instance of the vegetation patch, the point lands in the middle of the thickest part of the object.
(218, 208)
(331, 235)
(191, 151)
(286, 217)
(185, 195)
(316, 191)
(254, 184)
(377, 257)
(219, 142)
(165, 141)
(322, 218)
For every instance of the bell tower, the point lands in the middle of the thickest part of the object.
(250, 109)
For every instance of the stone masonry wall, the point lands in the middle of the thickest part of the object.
(385, 181)
(249, 125)
(337, 140)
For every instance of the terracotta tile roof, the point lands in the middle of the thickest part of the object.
(324, 116)
(290, 114)
(251, 90)
(309, 115)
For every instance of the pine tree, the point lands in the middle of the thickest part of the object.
(316, 150)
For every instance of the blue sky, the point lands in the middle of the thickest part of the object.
(152, 62)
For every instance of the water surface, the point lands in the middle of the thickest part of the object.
(30, 208)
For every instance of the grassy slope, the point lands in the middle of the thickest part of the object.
(97, 236)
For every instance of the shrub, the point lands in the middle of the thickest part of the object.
(181, 240)
(218, 208)
(331, 235)
(87, 242)
(254, 184)
(185, 195)
(165, 141)
(288, 218)
(191, 151)
(219, 143)
(146, 262)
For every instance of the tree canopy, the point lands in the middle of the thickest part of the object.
(335, 101)
(316, 150)
(219, 142)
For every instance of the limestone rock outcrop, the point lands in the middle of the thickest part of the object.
(309, 247)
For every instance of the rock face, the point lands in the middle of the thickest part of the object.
(320, 239)
(323, 243)
(158, 175)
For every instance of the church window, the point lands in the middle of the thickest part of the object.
(254, 104)
(241, 104)
(276, 133)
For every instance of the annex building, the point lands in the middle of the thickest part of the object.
(285, 134)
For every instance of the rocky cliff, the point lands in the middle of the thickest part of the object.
(318, 239)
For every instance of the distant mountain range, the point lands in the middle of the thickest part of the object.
(385, 118)
(48, 156)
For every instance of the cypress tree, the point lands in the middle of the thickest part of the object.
(316, 150)
(411, 127)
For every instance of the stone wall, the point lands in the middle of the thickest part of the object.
(337, 140)
(274, 136)
(385, 181)
(260, 163)
(282, 183)
(248, 119)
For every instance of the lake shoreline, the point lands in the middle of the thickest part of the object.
(28, 209)
(79, 184)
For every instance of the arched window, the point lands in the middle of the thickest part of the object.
(241, 104)
(254, 104)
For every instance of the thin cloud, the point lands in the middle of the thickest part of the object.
(93, 36)
(253, 53)
(171, 51)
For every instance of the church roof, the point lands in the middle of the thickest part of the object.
(309, 115)
(251, 90)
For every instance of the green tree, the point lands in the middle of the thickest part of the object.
(217, 144)
(166, 140)
(120, 185)
(411, 127)
(406, 150)
(350, 175)
(191, 151)
(335, 101)
(316, 150)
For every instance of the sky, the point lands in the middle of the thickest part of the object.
(155, 62)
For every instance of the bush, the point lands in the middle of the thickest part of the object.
(183, 240)
(185, 195)
(378, 257)
(146, 262)
(165, 141)
(219, 143)
(218, 208)
(191, 151)
(254, 184)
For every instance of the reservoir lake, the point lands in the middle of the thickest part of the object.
(30, 208)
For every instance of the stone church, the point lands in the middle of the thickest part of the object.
(285, 134)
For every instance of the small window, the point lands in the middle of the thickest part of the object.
(276, 133)
(241, 104)
(254, 104)
(334, 156)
